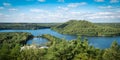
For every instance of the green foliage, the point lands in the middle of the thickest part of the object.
(78, 50)
(4, 51)
(59, 49)
(32, 54)
(15, 37)
(14, 53)
(10, 44)
(114, 25)
(26, 25)
(86, 28)
(112, 53)
(52, 39)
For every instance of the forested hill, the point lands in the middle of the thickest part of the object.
(26, 26)
(86, 28)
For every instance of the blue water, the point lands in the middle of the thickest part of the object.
(98, 42)
(37, 41)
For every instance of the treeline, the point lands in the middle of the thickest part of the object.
(86, 28)
(22, 26)
(51, 39)
(15, 37)
(10, 43)
(61, 49)
(114, 25)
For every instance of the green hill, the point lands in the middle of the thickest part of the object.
(86, 28)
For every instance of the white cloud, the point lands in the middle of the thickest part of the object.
(1, 8)
(63, 8)
(1, 14)
(105, 7)
(109, 8)
(114, 1)
(41, 0)
(4, 17)
(71, 6)
(76, 4)
(104, 16)
(62, 14)
(99, 0)
(6, 4)
(13, 9)
(22, 14)
(35, 10)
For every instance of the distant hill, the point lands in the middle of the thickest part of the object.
(26, 26)
(86, 28)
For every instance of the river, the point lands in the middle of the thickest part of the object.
(98, 42)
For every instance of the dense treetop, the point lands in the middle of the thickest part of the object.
(60, 49)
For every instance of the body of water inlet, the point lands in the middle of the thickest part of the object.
(98, 42)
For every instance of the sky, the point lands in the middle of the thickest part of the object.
(58, 11)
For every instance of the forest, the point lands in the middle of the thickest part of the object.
(59, 29)
(58, 49)
(86, 28)
(114, 25)
(26, 26)
(10, 43)
(13, 38)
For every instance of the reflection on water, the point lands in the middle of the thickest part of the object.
(37, 41)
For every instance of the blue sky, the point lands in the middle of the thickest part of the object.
(47, 11)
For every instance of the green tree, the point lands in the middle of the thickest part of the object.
(15, 52)
(112, 53)
(4, 51)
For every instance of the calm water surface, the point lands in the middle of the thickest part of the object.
(98, 42)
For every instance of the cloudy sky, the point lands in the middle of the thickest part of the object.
(47, 11)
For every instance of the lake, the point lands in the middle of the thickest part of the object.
(98, 42)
